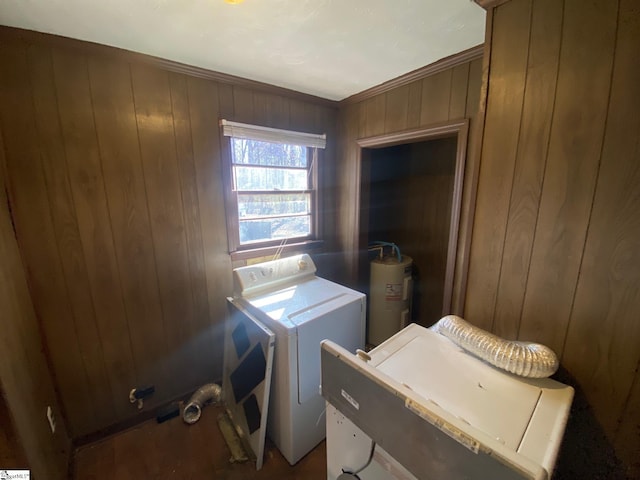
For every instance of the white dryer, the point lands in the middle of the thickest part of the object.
(302, 310)
(419, 407)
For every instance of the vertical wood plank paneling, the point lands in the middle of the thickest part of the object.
(203, 101)
(154, 118)
(189, 182)
(396, 109)
(270, 110)
(627, 438)
(360, 126)
(415, 104)
(504, 108)
(260, 109)
(352, 176)
(572, 166)
(542, 70)
(579, 284)
(302, 117)
(90, 205)
(67, 232)
(26, 386)
(476, 122)
(225, 100)
(35, 229)
(443, 170)
(374, 115)
(436, 92)
(602, 347)
(427, 222)
(243, 105)
(116, 131)
(12, 453)
(326, 123)
(415, 242)
(458, 93)
(123, 226)
(339, 193)
(348, 180)
(425, 101)
(473, 88)
(361, 118)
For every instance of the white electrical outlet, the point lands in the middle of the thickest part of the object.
(52, 419)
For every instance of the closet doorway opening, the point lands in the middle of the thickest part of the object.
(410, 194)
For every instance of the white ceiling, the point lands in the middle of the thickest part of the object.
(329, 48)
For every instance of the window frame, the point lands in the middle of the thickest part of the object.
(239, 251)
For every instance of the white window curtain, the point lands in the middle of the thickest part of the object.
(273, 135)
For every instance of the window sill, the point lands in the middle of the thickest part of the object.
(266, 251)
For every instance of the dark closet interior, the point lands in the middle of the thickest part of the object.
(409, 202)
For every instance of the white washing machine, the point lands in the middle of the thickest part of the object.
(301, 309)
(418, 406)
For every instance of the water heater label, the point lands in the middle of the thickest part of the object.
(393, 292)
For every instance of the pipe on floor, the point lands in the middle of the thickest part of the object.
(206, 394)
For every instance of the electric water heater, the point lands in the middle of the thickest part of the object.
(391, 288)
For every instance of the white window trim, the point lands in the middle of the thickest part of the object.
(274, 135)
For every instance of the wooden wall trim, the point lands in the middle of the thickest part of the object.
(418, 74)
(33, 37)
(429, 132)
(475, 150)
(458, 128)
(490, 4)
(38, 38)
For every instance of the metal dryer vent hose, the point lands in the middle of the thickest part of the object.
(204, 395)
(526, 359)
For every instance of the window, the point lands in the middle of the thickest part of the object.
(271, 186)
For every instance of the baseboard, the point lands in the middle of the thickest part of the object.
(128, 423)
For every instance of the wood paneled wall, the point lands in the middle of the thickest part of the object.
(26, 384)
(12, 454)
(451, 94)
(427, 221)
(114, 174)
(555, 254)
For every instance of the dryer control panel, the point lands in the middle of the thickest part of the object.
(270, 275)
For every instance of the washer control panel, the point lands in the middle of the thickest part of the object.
(268, 275)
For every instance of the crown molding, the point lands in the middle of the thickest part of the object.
(489, 4)
(418, 74)
(31, 37)
(86, 47)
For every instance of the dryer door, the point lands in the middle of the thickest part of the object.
(339, 320)
(248, 359)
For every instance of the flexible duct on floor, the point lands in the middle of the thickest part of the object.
(526, 359)
(204, 395)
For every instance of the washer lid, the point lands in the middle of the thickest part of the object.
(295, 304)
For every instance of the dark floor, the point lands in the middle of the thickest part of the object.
(175, 450)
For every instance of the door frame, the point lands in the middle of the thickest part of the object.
(457, 128)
